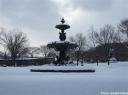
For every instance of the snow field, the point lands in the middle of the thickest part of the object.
(20, 81)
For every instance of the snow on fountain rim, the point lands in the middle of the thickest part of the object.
(64, 68)
(61, 42)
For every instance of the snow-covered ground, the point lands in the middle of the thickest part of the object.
(107, 80)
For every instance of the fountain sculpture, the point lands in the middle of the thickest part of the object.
(62, 46)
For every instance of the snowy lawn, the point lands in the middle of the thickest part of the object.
(107, 80)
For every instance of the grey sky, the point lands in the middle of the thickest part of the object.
(37, 18)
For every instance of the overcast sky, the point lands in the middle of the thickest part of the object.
(37, 18)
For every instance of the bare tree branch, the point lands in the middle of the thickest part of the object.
(14, 42)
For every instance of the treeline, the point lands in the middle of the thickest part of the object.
(15, 50)
(98, 45)
(103, 44)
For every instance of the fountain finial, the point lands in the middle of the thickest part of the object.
(62, 21)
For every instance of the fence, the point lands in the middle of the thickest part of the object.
(26, 62)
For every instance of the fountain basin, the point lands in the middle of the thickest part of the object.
(62, 26)
(58, 45)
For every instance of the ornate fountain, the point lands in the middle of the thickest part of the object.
(62, 46)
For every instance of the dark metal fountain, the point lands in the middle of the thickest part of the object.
(62, 46)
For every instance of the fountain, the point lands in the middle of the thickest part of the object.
(62, 46)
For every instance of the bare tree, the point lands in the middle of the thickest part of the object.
(14, 42)
(24, 52)
(91, 37)
(44, 50)
(106, 37)
(118, 37)
(34, 51)
(92, 42)
(80, 40)
(2, 30)
(123, 27)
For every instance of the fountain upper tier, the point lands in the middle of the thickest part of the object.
(62, 26)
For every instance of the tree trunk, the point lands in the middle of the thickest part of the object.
(77, 58)
(13, 58)
(97, 60)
